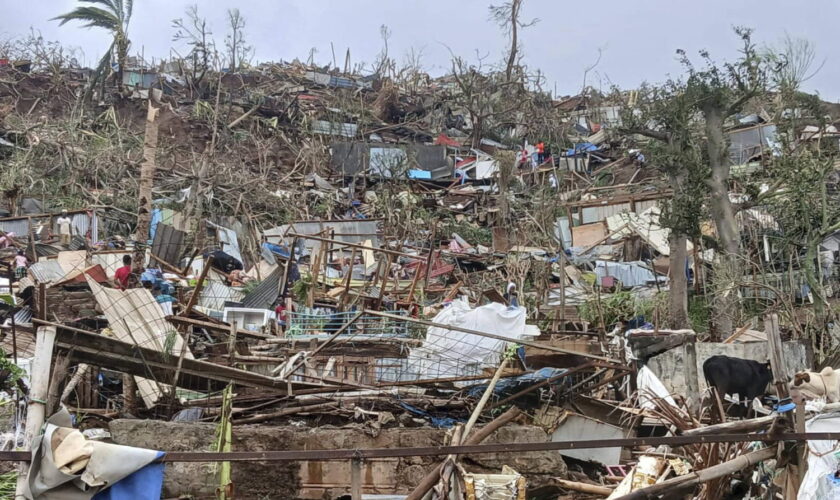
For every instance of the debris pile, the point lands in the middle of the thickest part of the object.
(397, 285)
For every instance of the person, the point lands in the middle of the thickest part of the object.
(540, 152)
(65, 228)
(7, 240)
(510, 295)
(20, 265)
(122, 274)
(163, 298)
(282, 313)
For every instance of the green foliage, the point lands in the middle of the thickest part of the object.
(621, 305)
(472, 233)
(699, 313)
(8, 483)
(301, 287)
(8, 366)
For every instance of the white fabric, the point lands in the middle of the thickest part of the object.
(821, 459)
(649, 387)
(64, 224)
(104, 463)
(449, 353)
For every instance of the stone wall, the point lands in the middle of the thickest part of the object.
(327, 479)
(670, 365)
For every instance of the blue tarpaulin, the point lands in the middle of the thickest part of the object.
(439, 422)
(508, 386)
(145, 484)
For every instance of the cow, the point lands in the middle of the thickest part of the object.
(744, 377)
(814, 385)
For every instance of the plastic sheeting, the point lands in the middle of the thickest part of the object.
(508, 386)
(651, 387)
(630, 274)
(822, 462)
(67, 466)
(449, 353)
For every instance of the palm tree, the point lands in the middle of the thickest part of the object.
(112, 15)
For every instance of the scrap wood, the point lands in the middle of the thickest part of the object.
(480, 435)
(682, 483)
(594, 489)
(737, 426)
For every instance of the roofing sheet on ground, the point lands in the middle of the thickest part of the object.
(135, 317)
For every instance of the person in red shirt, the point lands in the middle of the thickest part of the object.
(540, 152)
(123, 273)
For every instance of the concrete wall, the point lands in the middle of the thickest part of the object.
(670, 366)
(321, 480)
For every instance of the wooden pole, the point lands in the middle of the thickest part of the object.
(583, 487)
(347, 280)
(776, 354)
(356, 479)
(480, 435)
(36, 412)
(198, 286)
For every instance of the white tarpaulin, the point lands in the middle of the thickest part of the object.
(450, 353)
(822, 462)
(136, 318)
(651, 387)
(67, 466)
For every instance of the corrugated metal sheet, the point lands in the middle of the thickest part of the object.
(47, 271)
(264, 295)
(110, 262)
(169, 243)
(600, 213)
(335, 128)
(19, 226)
(346, 231)
(215, 294)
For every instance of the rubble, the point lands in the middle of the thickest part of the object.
(432, 295)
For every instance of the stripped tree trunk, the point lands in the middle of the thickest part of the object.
(678, 293)
(147, 177)
(727, 229)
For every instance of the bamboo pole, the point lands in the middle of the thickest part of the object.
(583, 487)
(428, 482)
(36, 411)
(480, 435)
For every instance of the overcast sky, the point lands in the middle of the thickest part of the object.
(637, 38)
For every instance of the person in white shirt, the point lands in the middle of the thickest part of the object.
(65, 228)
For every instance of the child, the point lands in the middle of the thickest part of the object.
(20, 265)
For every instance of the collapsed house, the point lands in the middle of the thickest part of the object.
(390, 334)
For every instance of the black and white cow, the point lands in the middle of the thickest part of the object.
(744, 377)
